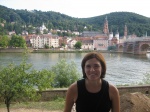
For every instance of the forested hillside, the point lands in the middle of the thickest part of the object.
(136, 23)
(20, 20)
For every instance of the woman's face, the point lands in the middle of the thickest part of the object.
(93, 69)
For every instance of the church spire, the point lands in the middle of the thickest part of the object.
(106, 29)
(125, 31)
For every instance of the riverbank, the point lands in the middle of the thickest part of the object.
(31, 50)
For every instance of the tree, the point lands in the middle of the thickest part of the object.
(66, 73)
(46, 46)
(38, 31)
(78, 45)
(4, 40)
(17, 41)
(62, 44)
(17, 28)
(3, 31)
(18, 84)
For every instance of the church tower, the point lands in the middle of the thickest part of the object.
(106, 29)
(125, 31)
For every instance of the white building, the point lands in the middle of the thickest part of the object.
(100, 44)
(71, 43)
(24, 32)
(54, 41)
(39, 41)
(75, 32)
(42, 28)
(87, 44)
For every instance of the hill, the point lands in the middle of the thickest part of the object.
(20, 20)
(136, 23)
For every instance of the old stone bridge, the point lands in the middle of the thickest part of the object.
(135, 45)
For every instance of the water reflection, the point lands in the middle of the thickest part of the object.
(148, 55)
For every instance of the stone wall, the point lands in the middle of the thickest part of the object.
(14, 50)
(51, 94)
(145, 89)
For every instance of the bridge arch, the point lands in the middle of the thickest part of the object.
(120, 47)
(144, 47)
(140, 46)
(130, 48)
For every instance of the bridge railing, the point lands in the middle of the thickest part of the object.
(138, 39)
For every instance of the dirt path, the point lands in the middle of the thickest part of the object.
(26, 110)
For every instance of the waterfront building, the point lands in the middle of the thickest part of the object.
(87, 44)
(71, 43)
(39, 41)
(100, 43)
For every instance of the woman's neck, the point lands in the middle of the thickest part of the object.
(93, 85)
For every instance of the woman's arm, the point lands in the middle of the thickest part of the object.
(70, 97)
(114, 96)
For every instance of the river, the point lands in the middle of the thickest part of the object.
(121, 68)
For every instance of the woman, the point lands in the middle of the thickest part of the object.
(93, 93)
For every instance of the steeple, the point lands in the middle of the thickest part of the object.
(125, 31)
(106, 29)
(117, 34)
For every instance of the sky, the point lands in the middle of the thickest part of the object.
(82, 8)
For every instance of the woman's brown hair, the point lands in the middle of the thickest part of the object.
(99, 57)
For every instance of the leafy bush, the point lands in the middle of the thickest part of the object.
(66, 73)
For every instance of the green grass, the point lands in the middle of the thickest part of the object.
(57, 104)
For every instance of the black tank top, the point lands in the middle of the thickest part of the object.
(93, 102)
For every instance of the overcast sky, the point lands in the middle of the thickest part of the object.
(82, 8)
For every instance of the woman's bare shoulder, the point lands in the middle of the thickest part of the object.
(114, 96)
(72, 92)
(112, 87)
(113, 91)
(73, 88)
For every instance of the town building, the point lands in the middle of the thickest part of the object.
(43, 28)
(91, 40)
(40, 41)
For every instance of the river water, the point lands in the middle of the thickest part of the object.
(121, 68)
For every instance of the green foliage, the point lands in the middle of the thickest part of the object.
(2, 30)
(78, 45)
(62, 44)
(46, 46)
(17, 41)
(14, 83)
(42, 79)
(66, 73)
(17, 83)
(4, 41)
